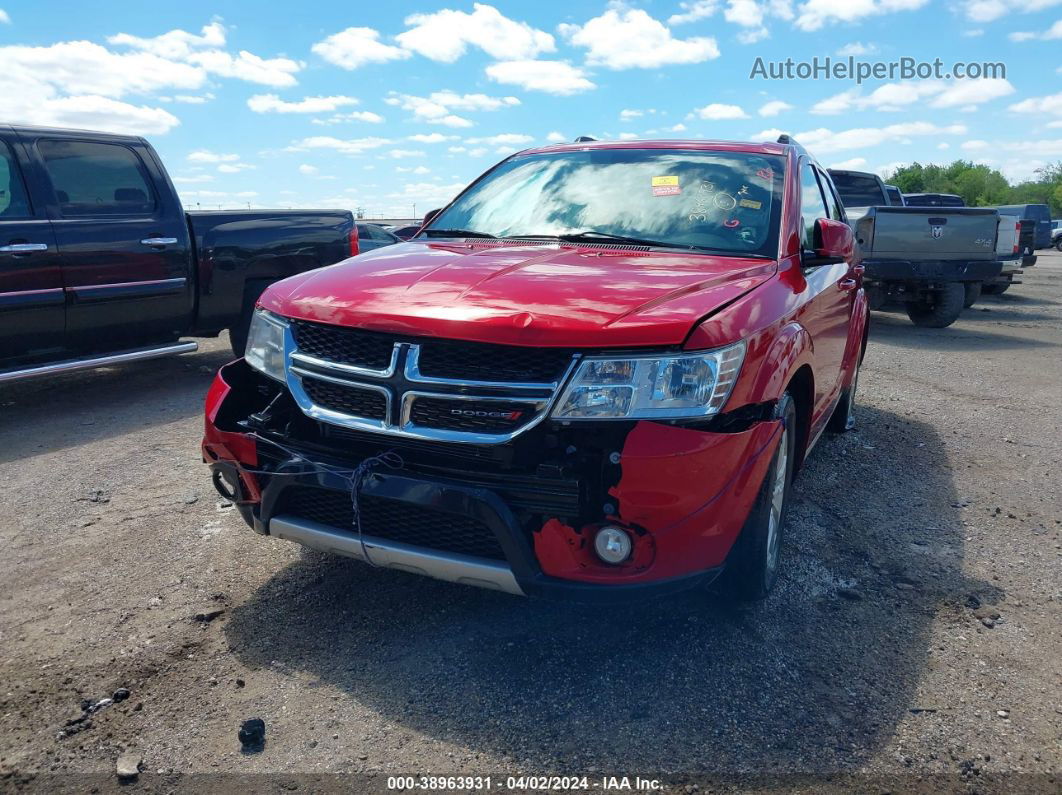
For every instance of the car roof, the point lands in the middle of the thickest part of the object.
(763, 147)
(73, 132)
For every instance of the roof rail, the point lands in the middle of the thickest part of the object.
(582, 139)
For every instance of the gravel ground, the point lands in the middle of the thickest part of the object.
(913, 641)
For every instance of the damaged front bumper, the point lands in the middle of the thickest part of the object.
(518, 517)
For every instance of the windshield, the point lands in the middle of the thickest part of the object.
(727, 202)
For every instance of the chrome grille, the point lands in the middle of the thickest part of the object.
(440, 390)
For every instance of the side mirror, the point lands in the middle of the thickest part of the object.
(834, 242)
(429, 215)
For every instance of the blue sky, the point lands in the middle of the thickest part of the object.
(386, 105)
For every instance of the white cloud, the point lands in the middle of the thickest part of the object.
(680, 127)
(479, 151)
(901, 96)
(206, 156)
(774, 107)
(507, 139)
(437, 108)
(1051, 104)
(691, 12)
(234, 168)
(626, 38)
(400, 154)
(446, 35)
(552, 77)
(204, 51)
(4, 18)
(456, 149)
(631, 115)
(356, 47)
(88, 111)
(431, 138)
(308, 170)
(854, 164)
(556, 137)
(417, 170)
(991, 10)
(194, 179)
(349, 146)
(973, 146)
(943, 145)
(857, 48)
(814, 14)
(193, 99)
(826, 140)
(1051, 34)
(717, 111)
(354, 115)
(271, 103)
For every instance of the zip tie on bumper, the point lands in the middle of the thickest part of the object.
(353, 478)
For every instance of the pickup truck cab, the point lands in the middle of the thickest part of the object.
(100, 264)
(933, 259)
(592, 375)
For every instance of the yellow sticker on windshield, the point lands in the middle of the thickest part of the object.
(668, 182)
(754, 205)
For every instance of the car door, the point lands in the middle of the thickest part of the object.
(124, 244)
(831, 288)
(32, 312)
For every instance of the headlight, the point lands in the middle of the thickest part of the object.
(659, 387)
(265, 344)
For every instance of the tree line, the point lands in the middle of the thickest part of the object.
(980, 185)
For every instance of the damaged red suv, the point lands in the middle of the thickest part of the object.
(594, 374)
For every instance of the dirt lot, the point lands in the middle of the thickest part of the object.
(915, 633)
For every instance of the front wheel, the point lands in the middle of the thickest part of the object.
(753, 564)
(941, 309)
(1058, 244)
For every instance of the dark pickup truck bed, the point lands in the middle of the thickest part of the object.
(99, 262)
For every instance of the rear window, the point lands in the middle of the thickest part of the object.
(858, 190)
(13, 201)
(97, 179)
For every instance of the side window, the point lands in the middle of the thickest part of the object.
(833, 204)
(812, 207)
(13, 200)
(97, 179)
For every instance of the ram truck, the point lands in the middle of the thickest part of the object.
(99, 263)
(922, 257)
(593, 375)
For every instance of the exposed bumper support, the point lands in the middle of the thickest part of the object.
(99, 361)
(447, 566)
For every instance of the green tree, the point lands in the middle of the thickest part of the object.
(980, 185)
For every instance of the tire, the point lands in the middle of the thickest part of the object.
(941, 310)
(754, 561)
(843, 417)
(973, 292)
(1058, 244)
(998, 288)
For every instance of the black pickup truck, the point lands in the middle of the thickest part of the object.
(100, 264)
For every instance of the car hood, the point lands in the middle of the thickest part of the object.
(521, 294)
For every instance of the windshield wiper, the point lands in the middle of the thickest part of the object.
(457, 233)
(591, 235)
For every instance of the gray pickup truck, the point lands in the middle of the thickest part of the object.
(923, 257)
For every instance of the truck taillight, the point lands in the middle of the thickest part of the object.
(1017, 235)
(355, 249)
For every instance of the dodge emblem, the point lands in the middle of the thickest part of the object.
(937, 232)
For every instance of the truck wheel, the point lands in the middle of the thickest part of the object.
(1058, 244)
(973, 292)
(843, 417)
(941, 309)
(998, 288)
(753, 563)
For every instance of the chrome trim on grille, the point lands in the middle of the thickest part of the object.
(448, 566)
(353, 369)
(400, 397)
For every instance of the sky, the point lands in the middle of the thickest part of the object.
(391, 108)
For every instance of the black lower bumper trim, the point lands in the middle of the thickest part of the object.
(931, 270)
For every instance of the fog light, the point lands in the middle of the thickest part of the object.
(612, 545)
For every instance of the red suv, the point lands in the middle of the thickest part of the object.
(594, 374)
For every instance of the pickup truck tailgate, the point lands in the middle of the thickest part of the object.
(921, 233)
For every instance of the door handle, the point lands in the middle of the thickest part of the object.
(847, 284)
(23, 248)
(159, 241)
